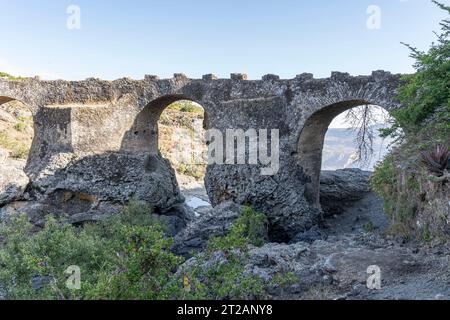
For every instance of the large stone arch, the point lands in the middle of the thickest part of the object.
(311, 141)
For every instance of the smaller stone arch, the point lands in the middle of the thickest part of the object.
(311, 141)
(18, 140)
(143, 134)
(4, 100)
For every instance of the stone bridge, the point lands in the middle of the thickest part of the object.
(96, 142)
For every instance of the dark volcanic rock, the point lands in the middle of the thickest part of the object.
(340, 188)
(214, 223)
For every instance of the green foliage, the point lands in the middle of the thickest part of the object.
(20, 126)
(369, 226)
(186, 106)
(384, 178)
(125, 257)
(403, 178)
(219, 273)
(425, 95)
(9, 77)
(249, 228)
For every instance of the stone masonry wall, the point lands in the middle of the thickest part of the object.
(100, 138)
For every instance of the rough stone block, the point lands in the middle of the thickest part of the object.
(209, 77)
(179, 76)
(305, 76)
(239, 76)
(150, 77)
(271, 77)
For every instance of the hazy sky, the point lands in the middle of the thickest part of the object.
(195, 37)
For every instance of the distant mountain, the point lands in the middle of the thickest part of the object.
(339, 150)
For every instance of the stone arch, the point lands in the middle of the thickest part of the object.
(143, 135)
(311, 141)
(6, 100)
(18, 142)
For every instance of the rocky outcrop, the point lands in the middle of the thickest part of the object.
(341, 188)
(13, 182)
(338, 269)
(280, 197)
(215, 222)
(111, 177)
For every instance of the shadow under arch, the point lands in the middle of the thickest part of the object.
(143, 136)
(311, 141)
(4, 99)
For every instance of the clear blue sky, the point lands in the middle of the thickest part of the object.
(136, 37)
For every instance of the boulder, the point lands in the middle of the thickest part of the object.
(341, 188)
(280, 197)
(110, 177)
(214, 222)
(309, 236)
(13, 182)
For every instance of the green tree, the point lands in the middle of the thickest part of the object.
(425, 95)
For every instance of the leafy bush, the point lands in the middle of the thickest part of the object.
(9, 77)
(127, 256)
(124, 257)
(425, 95)
(219, 273)
(186, 106)
(384, 178)
(249, 228)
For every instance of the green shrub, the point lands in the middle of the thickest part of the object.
(384, 177)
(124, 257)
(219, 273)
(186, 106)
(425, 95)
(9, 77)
(127, 256)
(249, 228)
